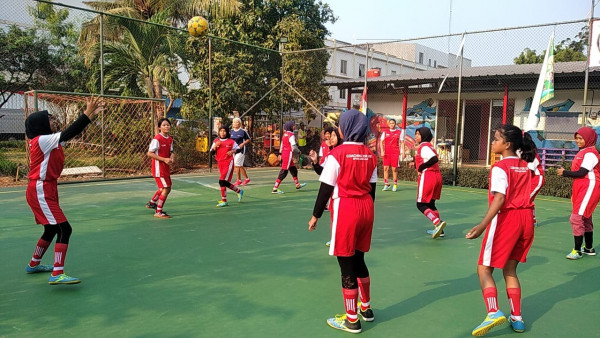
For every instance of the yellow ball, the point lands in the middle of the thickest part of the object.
(197, 26)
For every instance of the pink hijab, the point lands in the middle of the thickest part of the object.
(589, 136)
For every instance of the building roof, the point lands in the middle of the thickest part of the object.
(567, 75)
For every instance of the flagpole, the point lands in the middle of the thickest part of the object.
(587, 68)
(455, 160)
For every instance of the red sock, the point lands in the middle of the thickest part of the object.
(60, 252)
(156, 196)
(432, 216)
(514, 298)
(235, 188)
(40, 249)
(296, 180)
(223, 194)
(396, 182)
(277, 182)
(161, 201)
(490, 295)
(364, 292)
(386, 182)
(350, 297)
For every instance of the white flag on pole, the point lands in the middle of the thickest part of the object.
(460, 51)
(544, 90)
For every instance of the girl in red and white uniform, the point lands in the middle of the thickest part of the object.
(325, 145)
(224, 148)
(161, 153)
(390, 144)
(46, 162)
(349, 179)
(586, 191)
(288, 149)
(537, 173)
(429, 182)
(509, 224)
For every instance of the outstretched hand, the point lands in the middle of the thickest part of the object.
(94, 105)
(313, 156)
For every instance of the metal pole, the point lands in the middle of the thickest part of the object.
(505, 104)
(210, 124)
(102, 93)
(456, 132)
(281, 94)
(35, 101)
(587, 67)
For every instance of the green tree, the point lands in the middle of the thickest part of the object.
(565, 51)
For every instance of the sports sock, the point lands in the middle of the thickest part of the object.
(490, 295)
(350, 297)
(161, 201)
(223, 194)
(234, 188)
(432, 216)
(437, 214)
(386, 182)
(277, 182)
(589, 239)
(578, 242)
(60, 252)
(156, 196)
(364, 292)
(396, 182)
(40, 249)
(296, 180)
(514, 298)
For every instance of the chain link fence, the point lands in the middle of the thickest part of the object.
(208, 80)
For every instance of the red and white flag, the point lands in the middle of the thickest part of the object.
(363, 101)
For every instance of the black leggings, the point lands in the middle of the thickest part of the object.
(353, 267)
(424, 206)
(62, 231)
(225, 183)
(283, 173)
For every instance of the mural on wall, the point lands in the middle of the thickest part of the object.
(422, 114)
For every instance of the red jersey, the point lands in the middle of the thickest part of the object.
(287, 141)
(511, 177)
(47, 158)
(323, 152)
(424, 153)
(224, 147)
(586, 190)
(392, 139)
(350, 168)
(162, 146)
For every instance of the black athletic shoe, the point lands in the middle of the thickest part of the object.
(589, 252)
(366, 315)
(151, 205)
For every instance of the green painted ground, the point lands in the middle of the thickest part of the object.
(253, 269)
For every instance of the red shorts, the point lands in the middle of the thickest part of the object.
(163, 182)
(429, 186)
(508, 236)
(351, 225)
(391, 160)
(537, 182)
(226, 170)
(42, 197)
(287, 160)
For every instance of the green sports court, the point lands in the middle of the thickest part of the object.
(254, 270)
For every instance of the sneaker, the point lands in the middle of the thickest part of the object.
(328, 243)
(63, 279)
(395, 188)
(491, 320)
(162, 214)
(151, 205)
(442, 234)
(438, 229)
(340, 322)
(277, 191)
(246, 181)
(589, 252)
(298, 186)
(39, 268)
(238, 182)
(386, 188)
(518, 325)
(366, 315)
(222, 204)
(574, 255)
(240, 195)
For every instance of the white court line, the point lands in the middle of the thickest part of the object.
(208, 185)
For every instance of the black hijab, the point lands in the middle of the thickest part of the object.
(37, 124)
(426, 135)
(354, 126)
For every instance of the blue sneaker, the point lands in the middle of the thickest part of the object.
(442, 234)
(277, 191)
(340, 322)
(328, 243)
(222, 204)
(491, 320)
(240, 195)
(574, 255)
(386, 188)
(298, 186)
(63, 279)
(517, 325)
(39, 268)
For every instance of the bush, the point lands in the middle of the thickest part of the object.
(7, 167)
(556, 186)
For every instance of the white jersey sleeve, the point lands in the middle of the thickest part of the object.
(154, 145)
(533, 166)
(382, 136)
(292, 140)
(374, 176)
(331, 170)
(48, 142)
(589, 161)
(499, 181)
(426, 153)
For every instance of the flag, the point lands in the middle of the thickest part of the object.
(458, 54)
(363, 101)
(544, 90)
